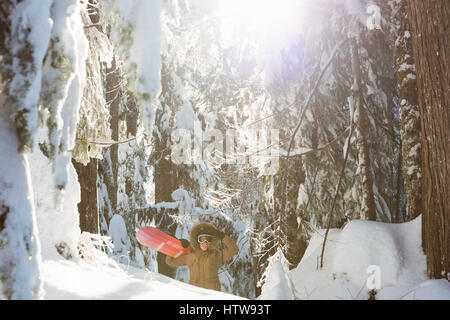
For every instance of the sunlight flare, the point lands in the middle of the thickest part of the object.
(260, 18)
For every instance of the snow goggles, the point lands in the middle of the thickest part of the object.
(204, 238)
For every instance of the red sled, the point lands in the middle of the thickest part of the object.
(160, 241)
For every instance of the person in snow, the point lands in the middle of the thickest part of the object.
(205, 259)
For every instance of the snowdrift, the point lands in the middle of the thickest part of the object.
(366, 256)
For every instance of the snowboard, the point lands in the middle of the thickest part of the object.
(158, 240)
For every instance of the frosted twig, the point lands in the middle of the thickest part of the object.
(110, 142)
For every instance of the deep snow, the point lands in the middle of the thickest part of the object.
(107, 280)
(394, 248)
(368, 255)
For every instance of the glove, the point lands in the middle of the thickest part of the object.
(219, 234)
(185, 243)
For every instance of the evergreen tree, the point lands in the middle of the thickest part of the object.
(429, 29)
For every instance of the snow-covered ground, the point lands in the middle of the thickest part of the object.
(107, 280)
(362, 256)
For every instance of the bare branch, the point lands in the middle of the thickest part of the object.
(109, 143)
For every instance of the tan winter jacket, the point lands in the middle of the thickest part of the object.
(204, 265)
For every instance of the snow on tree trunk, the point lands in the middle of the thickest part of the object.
(135, 32)
(430, 30)
(19, 244)
(409, 113)
(58, 224)
(60, 99)
(23, 40)
(63, 84)
(58, 72)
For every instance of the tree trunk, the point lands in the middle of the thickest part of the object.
(165, 172)
(88, 206)
(285, 202)
(429, 21)
(113, 96)
(409, 114)
(368, 203)
(20, 276)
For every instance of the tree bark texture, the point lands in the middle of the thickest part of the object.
(165, 171)
(368, 201)
(285, 201)
(88, 206)
(430, 28)
(409, 114)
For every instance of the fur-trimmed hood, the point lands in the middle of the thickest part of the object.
(202, 228)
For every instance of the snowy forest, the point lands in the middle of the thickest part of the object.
(314, 133)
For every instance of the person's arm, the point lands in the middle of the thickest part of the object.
(183, 260)
(230, 248)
